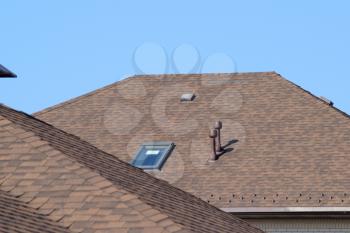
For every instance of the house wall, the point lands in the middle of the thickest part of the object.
(302, 225)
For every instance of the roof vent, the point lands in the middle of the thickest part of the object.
(187, 97)
(326, 100)
(214, 133)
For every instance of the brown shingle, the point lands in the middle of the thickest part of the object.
(288, 142)
(128, 206)
(16, 216)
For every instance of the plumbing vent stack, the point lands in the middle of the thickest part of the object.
(218, 127)
(213, 135)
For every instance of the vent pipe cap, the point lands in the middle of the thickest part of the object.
(213, 133)
(218, 125)
(188, 97)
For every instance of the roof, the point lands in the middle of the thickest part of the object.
(6, 73)
(289, 148)
(85, 189)
(16, 216)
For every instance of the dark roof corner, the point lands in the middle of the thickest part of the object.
(5, 73)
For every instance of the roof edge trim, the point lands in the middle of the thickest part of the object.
(284, 209)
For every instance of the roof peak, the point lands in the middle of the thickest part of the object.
(74, 99)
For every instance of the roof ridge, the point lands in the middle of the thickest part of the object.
(146, 187)
(309, 93)
(75, 99)
(205, 74)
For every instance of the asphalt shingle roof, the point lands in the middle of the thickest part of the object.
(16, 216)
(88, 190)
(288, 147)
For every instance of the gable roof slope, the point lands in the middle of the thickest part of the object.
(190, 212)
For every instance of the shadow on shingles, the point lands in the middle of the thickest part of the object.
(226, 147)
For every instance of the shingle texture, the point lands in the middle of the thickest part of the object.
(85, 189)
(16, 216)
(288, 147)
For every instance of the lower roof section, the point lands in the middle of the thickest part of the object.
(17, 216)
(89, 190)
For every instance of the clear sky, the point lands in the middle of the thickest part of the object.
(62, 49)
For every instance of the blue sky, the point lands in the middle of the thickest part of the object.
(62, 49)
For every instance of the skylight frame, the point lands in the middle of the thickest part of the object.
(158, 166)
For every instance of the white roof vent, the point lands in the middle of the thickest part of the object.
(326, 100)
(188, 97)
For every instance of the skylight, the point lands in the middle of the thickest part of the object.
(152, 155)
